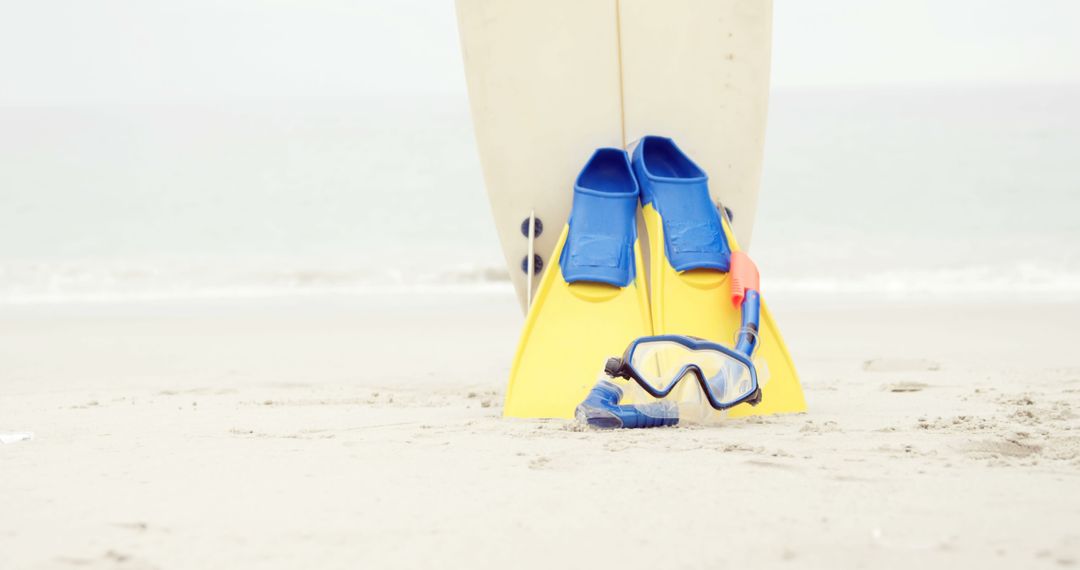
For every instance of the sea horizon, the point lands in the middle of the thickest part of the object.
(939, 191)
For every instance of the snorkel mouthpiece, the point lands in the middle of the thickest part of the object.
(601, 409)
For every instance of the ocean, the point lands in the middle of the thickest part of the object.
(944, 192)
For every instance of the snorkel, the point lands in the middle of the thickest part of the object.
(745, 294)
(601, 408)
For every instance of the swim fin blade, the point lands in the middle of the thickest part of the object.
(592, 298)
(690, 247)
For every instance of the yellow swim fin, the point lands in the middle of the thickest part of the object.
(690, 246)
(592, 298)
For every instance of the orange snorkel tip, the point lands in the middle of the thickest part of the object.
(744, 277)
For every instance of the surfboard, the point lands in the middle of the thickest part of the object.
(551, 80)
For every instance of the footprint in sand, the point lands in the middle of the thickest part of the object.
(1002, 448)
(826, 427)
(906, 387)
(539, 463)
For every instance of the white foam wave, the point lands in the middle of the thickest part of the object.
(959, 281)
(128, 281)
(123, 281)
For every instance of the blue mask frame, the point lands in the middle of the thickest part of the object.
(622, 368)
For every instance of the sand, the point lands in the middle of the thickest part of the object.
(364, 432)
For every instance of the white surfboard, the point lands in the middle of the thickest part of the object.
(552, 80)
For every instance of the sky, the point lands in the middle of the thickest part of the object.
(145, 51)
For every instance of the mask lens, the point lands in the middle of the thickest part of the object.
(658, 362)
(661, 363)
(728, 379)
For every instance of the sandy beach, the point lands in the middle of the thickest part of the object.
(257, 264)
(365, 431)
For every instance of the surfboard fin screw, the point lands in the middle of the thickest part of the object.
(538, 264)
(538, 227)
